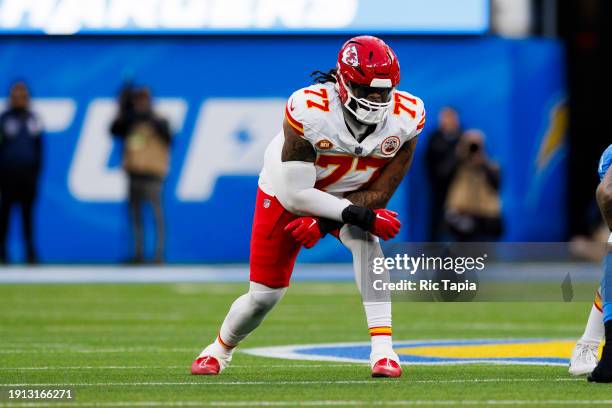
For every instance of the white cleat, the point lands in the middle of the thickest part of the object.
(584, 359)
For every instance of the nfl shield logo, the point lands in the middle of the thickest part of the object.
(358, 150)
(266, 203)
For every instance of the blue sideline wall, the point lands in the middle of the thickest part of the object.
(225, 98)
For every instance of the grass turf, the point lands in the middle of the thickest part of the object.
(123, 345)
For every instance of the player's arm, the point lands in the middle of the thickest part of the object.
(604, 197)
(295, 147)
(378, 194)
(298, 174)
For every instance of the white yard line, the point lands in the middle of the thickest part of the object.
(307, 382)
(175, 366)
(89, 350)
(309, 403)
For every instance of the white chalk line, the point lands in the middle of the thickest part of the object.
(176, 366)
(86, 350)
(298, 382)
(309, 403)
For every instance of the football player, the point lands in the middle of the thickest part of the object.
(603, 371)
(584, 356)
(346, 144)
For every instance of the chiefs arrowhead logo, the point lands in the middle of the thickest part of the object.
(349, 56)
(390, 145)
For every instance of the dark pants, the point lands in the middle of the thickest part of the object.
(18, 187)
(437, 227)
(473, 228)
(143, 189)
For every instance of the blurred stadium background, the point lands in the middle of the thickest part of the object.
(511, 68)
(530, 74)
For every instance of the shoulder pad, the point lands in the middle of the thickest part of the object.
(409, 110)
(306, 107)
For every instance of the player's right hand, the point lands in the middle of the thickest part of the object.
(305, 230)
(385, 225)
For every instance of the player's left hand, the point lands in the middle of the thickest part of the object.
(385, 225)
(305, 230)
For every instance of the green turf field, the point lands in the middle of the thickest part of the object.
(132, 345)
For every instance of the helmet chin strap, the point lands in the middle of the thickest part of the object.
(372, 114)
(359, 129)
(366, 112)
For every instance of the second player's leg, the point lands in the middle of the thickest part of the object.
(584, 356)
(365, 247)
(603, 371)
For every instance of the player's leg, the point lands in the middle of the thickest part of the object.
(365, 247)
(244, 316)
(603, 371)
(584, 356)
(273, 254)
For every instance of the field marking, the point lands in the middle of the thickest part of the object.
(309, 403)
(296, 352)
(176, 366)
(89, 350)
(299, 382)
(293, 352)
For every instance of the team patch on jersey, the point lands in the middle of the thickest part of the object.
(435, 352)
(324, 144)
(390, 145)
(350, 56)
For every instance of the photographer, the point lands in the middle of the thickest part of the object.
(146, 144)
(473, 207)
(21, 155)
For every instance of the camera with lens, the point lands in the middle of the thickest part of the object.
(473, 148)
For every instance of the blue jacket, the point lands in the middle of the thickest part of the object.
(20, 140)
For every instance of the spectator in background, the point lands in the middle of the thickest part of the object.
(146, 150)
(441, 161)
(20, 164)
(473, 205)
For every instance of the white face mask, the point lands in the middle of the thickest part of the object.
(367, 112)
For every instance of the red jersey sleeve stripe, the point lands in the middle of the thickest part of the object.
(421, 124)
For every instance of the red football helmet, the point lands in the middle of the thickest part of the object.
(366, 62)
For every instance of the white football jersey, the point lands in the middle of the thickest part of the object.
(343, 164)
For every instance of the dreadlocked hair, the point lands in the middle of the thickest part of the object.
(321, 77)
